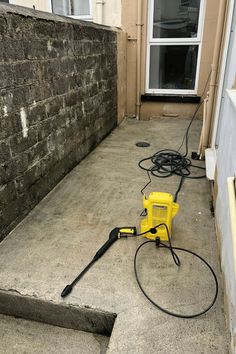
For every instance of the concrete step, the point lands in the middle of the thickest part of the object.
(21, 336)
(38, 308)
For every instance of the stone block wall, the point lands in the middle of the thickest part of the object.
(58, 100)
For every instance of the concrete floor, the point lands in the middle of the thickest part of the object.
(61, 235)
(29, 337)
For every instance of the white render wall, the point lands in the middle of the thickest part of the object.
(111, 12)
(226, 167)
(41, 5)
(111, 9)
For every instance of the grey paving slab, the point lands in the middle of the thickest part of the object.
(61, 235)
(18, 336)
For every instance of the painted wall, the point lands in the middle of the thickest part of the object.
(111, 9)
(226, 167)
(111, 12)
(42, 5)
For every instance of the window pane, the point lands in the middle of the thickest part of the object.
(80, 7)
(60, 7)
(175, 18)
(173, 67)
(71, 7)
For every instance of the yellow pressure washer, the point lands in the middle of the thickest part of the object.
(160, 211)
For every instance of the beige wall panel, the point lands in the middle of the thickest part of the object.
(129, 19)
(160, 109)
(212, 9)
(129, 16)
(208, 42)
(144, 45)
(131, 78)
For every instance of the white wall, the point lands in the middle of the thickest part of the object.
(226, 167)
(111, 12)
(111, 9)
(42, 5)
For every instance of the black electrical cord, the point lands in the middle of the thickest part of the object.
(168, 162)
(177, 262)
(179, 188)
(185, 137)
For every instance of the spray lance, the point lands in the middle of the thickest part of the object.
(114, 235)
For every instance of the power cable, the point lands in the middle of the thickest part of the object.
(177, 262)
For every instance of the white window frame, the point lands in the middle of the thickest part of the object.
(81, 17)
(174, 41)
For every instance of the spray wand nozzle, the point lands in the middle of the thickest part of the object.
(114, 235)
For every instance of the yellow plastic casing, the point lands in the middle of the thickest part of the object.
(128, 230)
(160, 209)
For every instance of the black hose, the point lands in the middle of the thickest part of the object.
(172, 249)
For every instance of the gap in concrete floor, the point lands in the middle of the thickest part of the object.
(12, 303)
(61, 235)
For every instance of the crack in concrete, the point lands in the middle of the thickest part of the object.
(19, 293)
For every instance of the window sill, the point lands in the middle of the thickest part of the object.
(170, 98)
(82, 17)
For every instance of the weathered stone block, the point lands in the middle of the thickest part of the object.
(6, 74)
(53, 106)
(4, 151)
(36, 113)
(11, 215)
(45, 29)
(7, 193)
(20, 143)
(12, 168)
(25, 70)
(3, 25)
(18, 27)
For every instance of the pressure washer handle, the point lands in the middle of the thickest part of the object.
(114, 235)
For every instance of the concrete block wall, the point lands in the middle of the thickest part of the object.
(58, 85)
